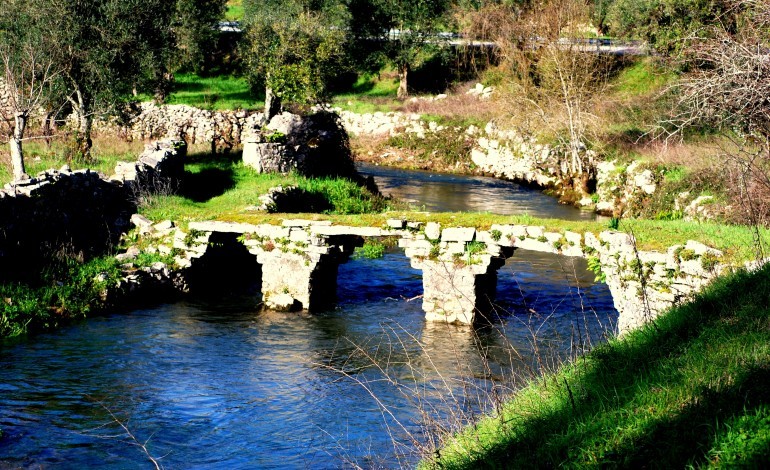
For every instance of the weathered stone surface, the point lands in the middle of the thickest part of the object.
(458, 234)
(433, 230)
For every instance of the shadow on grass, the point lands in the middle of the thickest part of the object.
(207, 184)
(661, 397)
(208, 175)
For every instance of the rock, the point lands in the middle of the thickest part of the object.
(458, 234)
(164, 226)
(433, 230)
(141, 222)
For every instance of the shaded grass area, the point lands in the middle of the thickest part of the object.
(690, 390)
(219, 92)
(234, 10)
(220, 186)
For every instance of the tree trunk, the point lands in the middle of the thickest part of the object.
(17, 154)
(49, 127)
(403, 91)
(83, 138)
(272, 104)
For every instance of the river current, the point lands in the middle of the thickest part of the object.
(215, 382)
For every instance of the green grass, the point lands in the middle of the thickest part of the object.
(221, 187)
(67, 291)
(106, 153)
(234, 10)
(644, 77)
(736, 241)
(369, 94)
(691, 390)
(220, 92)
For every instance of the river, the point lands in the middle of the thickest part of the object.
(214, 382)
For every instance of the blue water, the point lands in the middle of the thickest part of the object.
(222, 384)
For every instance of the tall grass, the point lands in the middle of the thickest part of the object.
(450, 376)
(66, 291)
(689, 390)
(40, 156)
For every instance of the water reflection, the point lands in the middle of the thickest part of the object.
(454, 193)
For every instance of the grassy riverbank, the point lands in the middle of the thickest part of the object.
(691, 390)
(66, 291)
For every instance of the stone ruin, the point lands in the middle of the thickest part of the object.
(315, 145)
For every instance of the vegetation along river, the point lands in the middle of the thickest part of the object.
(216, 383)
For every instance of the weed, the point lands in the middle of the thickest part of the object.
(496, 235)
(595, 265)
(371, 249)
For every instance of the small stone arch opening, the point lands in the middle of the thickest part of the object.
(227, 268)
(389, 277)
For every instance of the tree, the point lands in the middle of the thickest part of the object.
(404, 30)
(106, 49)
(29, 70)
(196, 30)
(665, 24)
(554, 76)
(727, 90)
(294, 49)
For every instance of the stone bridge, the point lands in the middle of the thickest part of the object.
(300, 258)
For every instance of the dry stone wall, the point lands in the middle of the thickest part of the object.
(78, 213)
(59, 212)
(221, 129)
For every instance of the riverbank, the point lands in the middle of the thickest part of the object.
(691, 389)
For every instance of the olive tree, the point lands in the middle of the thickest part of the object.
(294, 49)
(29, 71)
(107, 48)
(403, 30)
(196, 30)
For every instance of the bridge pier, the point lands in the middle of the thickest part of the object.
(459, 272)
(298, 281)
(458, 293)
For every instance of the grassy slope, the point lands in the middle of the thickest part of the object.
(691, 390)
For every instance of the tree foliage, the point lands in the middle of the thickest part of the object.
(295, 48)
(665, 24)
(196, 31)
(402, 31)
(106, 50)
(29, 70)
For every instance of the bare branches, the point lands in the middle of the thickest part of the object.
(730, 84)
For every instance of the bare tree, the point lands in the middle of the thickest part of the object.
(558, 74)
(28, 77)
(727, 90)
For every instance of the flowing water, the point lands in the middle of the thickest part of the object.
(218, 383)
